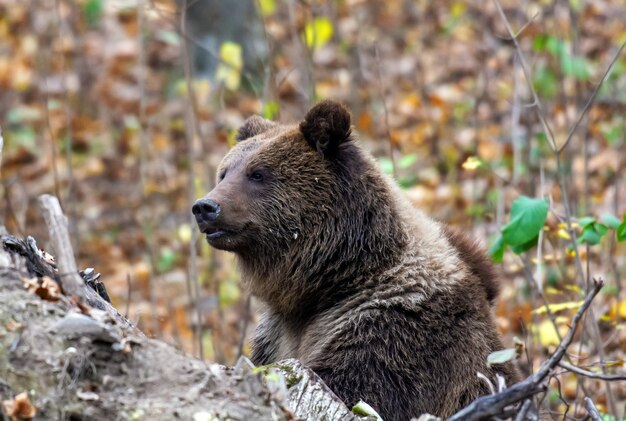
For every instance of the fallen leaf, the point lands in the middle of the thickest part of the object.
(12, 325)
(571, 305)
(20, 407)
(472, 163)
(45, 288)
(318, 32)
(547, 334)
(501, 357)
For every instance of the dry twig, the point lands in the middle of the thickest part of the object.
(193, 287)
(592, 410)
(60, 238)
(590, 374)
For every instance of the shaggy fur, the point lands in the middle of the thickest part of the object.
(385, 304)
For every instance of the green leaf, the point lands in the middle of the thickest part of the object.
(611, 290)
(601, 228)
(501, 357)
(271, 110)
(318, 32)
(611, 221)
(496, 251)
(587, 220)
(555, 46)
(527, 218)
(166, 260)
(22, 136)
(546, 82)
(23, 114)
(407, 160)
(540, 42)
(574, 66)
(592, 232)
(521, 248)
(93, 11)
(621, 231)
(386, 165)
(168, 37)
(613, 133)
(364, 410)
(407, 181)
(590, 236)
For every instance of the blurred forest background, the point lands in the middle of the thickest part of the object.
(124, 108)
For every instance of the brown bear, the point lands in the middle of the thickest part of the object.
(385, 304)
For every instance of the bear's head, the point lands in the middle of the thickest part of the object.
(302, 206)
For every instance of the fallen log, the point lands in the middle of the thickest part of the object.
(66, 353)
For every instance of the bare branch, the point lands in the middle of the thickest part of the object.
(523, 413)
(60, 238)
(527, 75)
(554, 360)
(590, 374)
(193, 129)
(592, 410)
(381, 86)
(592, 98)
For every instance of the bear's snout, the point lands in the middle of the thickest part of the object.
(206, 211)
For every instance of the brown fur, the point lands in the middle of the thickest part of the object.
(476, 259)
(385, 304)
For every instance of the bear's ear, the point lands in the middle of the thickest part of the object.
(253, 126)
(326, 126)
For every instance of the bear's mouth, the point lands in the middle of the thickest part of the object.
(216, 234)
(220, 238)
(211, 231)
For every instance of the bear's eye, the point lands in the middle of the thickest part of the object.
(222, 175)
(256, 176)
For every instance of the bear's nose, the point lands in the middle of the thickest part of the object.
(206, 209)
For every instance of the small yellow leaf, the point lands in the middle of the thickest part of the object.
(574, 288)
(231, 63)
(458, 9)
(559, 307)
(472, 163)
(621, 309)
(184, 233)
(229, 293)
(618, 310)
(546, 333)
(318, 32)
(563, 234)
(552, 290)
(267, 7)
